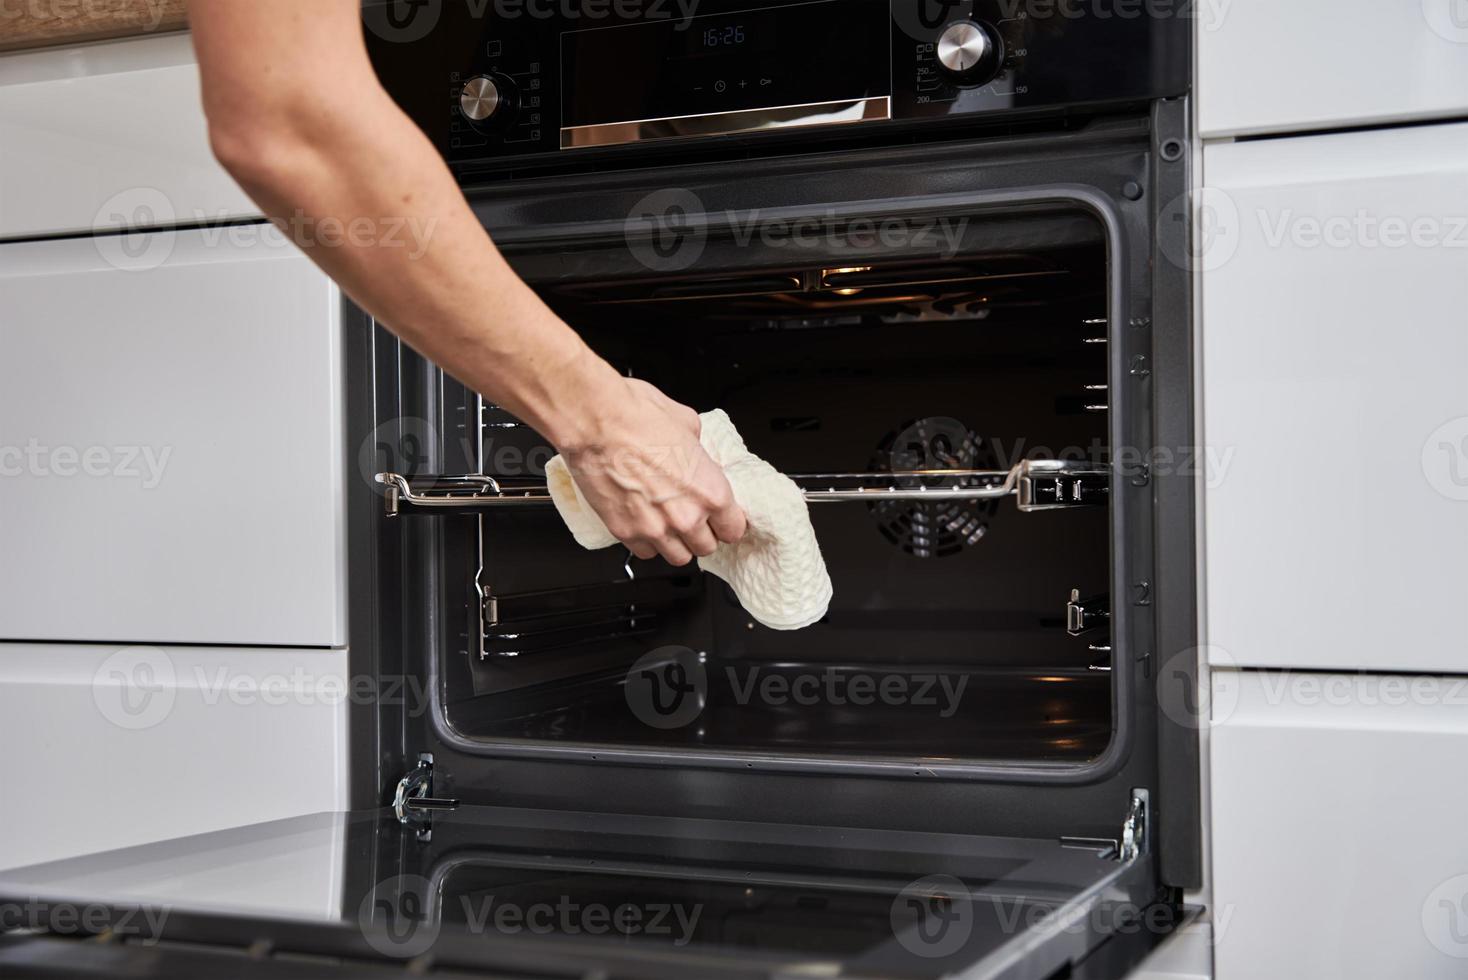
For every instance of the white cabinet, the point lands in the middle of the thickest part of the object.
(171, 442)
(1269, 66)
(1335, 399)
(108, 747)
(107, 135)
(1339, 846)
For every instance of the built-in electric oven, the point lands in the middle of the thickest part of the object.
(919, 253)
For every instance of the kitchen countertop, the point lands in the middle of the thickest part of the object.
(42, 23)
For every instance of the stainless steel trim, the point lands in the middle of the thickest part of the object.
(727, 123)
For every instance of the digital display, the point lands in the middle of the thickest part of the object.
(724, 37)
(793, 54)
(752, 33)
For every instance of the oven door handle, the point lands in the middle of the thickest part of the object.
(1038, 484)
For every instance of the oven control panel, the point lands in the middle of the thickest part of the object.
(513, 77)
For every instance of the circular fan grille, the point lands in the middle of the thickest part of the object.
(944, 527)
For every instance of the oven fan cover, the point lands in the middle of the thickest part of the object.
(942, 528)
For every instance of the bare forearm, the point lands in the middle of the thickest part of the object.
(364, 193)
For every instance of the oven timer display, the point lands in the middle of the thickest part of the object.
(724, 37)
(750, 34)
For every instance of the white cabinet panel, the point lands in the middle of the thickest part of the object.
(1272, 66)
(170, 442)
(1339, 848)
(106, 136)
(1335, 399)
(108, 747)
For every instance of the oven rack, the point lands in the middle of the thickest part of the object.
(1037, 484)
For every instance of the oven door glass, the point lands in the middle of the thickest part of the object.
(552, 893)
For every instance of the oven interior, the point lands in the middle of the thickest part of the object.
(947, 635)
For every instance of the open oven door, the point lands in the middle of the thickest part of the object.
(483, 891)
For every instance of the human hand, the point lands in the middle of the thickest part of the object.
(644, 472)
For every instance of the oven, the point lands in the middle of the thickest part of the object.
(925, 256)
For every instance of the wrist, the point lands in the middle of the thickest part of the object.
(591, 389)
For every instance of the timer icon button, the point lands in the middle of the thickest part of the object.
(969, 50)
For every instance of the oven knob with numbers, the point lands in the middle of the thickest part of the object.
(970, 52)
(486, 99)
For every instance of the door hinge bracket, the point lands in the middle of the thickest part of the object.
(414, 802)
(1134, 829)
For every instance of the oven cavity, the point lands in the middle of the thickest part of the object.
(947, 423)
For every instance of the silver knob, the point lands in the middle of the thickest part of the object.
(480, 98)
(963, 46)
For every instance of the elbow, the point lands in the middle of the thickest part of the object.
(258, 155)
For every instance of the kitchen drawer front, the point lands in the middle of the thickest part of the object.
(1339, 848)
(171, 457)
(1266, 66)
(1335, 394)
(111, 746)
(106, 136)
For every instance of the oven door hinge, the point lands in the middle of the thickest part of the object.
(414, 802)
(1134, 841)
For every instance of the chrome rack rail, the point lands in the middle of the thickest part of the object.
(1037, 484)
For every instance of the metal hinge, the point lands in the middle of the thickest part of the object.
(1134, 828)
(413, 802)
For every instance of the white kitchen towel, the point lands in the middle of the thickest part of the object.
(776, 569)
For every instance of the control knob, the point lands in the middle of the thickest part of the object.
(970, 51)
(486, 97)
